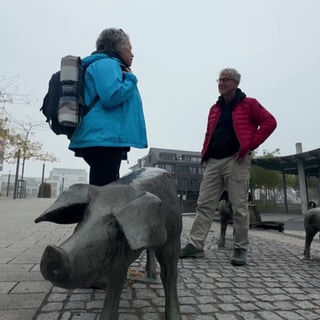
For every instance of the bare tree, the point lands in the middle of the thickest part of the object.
(16, 134)
(22, 138)
(9, 91)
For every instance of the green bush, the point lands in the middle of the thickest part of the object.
(44, 190)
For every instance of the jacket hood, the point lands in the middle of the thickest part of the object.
(92, 58)
(97, 55)
(238, 97)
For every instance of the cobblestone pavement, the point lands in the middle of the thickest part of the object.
(276, 283)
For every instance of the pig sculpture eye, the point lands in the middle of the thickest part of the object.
(112, 228)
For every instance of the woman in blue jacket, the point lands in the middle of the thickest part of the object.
(116, 121)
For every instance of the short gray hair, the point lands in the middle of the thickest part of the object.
(112, 39)
(232, 73)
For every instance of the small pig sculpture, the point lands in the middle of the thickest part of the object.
(115, 223)
(311, 227)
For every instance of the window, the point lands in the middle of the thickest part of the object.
(169, 167)
(175, 181)
(183, 170)
(192, 170)
(201, 170)
(194, 182)
(167, 156)
(143, 162)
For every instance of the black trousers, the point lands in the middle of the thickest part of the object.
(104, 163)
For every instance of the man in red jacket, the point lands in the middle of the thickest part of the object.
(236, 126)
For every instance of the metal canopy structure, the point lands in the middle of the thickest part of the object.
(302, 164)
(289, 164)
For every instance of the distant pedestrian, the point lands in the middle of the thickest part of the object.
(116, 122)
(236, 126)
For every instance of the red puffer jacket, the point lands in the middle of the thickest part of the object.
(252, 123)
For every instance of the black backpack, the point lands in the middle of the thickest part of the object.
(63, 105)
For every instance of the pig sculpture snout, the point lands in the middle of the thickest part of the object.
(55, 265)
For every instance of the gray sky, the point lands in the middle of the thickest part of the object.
(180, 46)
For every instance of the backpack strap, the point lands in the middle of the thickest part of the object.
(90, 106)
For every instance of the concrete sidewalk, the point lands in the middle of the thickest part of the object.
(276, 284)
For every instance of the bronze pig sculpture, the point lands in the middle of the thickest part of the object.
(311, 227)
(115, 223)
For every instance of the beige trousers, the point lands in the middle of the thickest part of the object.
(221, 174)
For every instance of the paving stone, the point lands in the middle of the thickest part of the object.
(124, 304)
(32, 287)
(248, 316)
(95, 304)
(284, 305)
(17, 314)
(75, 305)
(52, 306)
(21, 276)
(125, 316)
(80, 297)
(23, 301)
(227, 307)
(265, 297)
(66, 316)
(207, 308)
(11, 267)
(59, 290)
(201, 299)
(305, 305)
(248, 306)
(188, 309)
(152, 316)
(57, 297)
(6, 287)
(200, 317)
(225, 316)
(289, 315)
(246, 298)
(309, 315)
(85, 316)
(281, 297)
(48, 316)
(268, 315)
(228, 299)
(142, 303)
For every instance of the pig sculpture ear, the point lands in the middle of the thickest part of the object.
(142, 222)
(70, 205)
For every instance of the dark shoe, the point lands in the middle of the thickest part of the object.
(239, 257)
(189, 251)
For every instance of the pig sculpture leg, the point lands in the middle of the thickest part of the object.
(115, 282)
(225, 211)
(311, 226)
(115, 223)
(169, 277)
(151, 267)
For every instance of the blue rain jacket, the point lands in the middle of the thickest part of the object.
(117, 119)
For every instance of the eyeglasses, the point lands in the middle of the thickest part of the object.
(223, 80)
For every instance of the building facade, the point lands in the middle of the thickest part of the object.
(59, 179)
(62, 178)
(184, 167)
